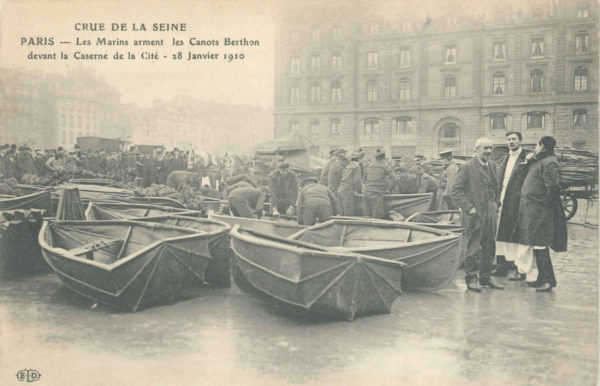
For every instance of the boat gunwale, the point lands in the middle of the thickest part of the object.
(443, 235)
(26, 196)
(302, 251)
(182, 215)
(138, 205)
(279, 224)
(116, 264)
(432, 212)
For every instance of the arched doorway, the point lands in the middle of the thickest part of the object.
(449, 135)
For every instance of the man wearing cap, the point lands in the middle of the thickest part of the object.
(476, 193)
(335, 171)
(316, 203)
(323, 180)
(376, 183)
(350, 185)
(283, 185)
(448, 179)
(404, 182)
(246, 201)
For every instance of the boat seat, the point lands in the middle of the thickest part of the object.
(108, 247)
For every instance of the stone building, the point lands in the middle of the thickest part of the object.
(419, 87)
(50, 110)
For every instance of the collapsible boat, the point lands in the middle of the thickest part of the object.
(432, 256)
(124, 211)
(313, 279)
(35, 200)
(125, 264)
(269, 225)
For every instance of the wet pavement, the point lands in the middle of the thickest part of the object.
(224, 336)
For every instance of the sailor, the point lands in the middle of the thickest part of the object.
(376, 183)
(447, 180)
(316, 203)
(325, 172)
(350, 185)
(426, 184)
(246, 201)
(283, 185)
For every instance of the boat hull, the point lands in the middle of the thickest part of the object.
(35, 200)
(164, 261)
(315, 281)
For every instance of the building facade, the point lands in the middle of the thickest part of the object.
(372, 81)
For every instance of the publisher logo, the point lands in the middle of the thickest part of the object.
(28, 375)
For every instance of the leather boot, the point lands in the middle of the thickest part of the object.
(490, 283)
(472, 283)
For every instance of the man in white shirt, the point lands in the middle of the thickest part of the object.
(511, 174)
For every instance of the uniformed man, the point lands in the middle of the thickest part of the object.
(350, 185)
(404, 182)
(376, 184)
(336, 169)
(316, 203)
(426, 184)
(246, 201)
(325, 172)
(448, 179)
(283, 185)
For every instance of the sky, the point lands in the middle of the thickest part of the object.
(249, 81)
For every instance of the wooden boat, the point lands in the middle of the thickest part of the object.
(37, 200)
(124, 211)
(313, 279)
(432, 256)
(218, 270)
(448, 220)
(269, 225)
(128, 265)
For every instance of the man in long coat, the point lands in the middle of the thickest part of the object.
(283, 185)
(323, 180)
(542, 222)
(447, 180)
(476, 193)
(377, 180)
(511, 174)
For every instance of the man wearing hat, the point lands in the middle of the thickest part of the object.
(316, 203)
(404, 182)
(283, 185)
(325, 172)
(350, 184)
(448, 179)
(377, 181)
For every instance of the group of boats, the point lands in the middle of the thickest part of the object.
(131, 255)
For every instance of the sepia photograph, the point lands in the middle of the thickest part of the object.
(279, 192)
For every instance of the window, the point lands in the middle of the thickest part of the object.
(401, 127)
(335, 127)
(451, 55)
(498, 121)
(450, 87)
(499, 51)
(582, 43)
(315, 130)
(336, 61)
(449, 130)
(315, 93)
(295, 95)
(405, 57)
(294, 127)
(579, 119)
(295, 65)
(372, 60)
(537, 47)
(583, 11)
(404, 89)
(337, 32)
(374, 28)
(370, 130)
(581, 79)
(372, 91)
(336, 92)
(315, 63)
(535, 120)
(537, 80)
(316, 35)
(498, 84)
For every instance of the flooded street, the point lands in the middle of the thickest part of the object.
(225, 336)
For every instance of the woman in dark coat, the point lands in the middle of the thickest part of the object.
(542, 223)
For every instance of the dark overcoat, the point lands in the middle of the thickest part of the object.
(509, 211)
(541, 218)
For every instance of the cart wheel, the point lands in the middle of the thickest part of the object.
(569, 205)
